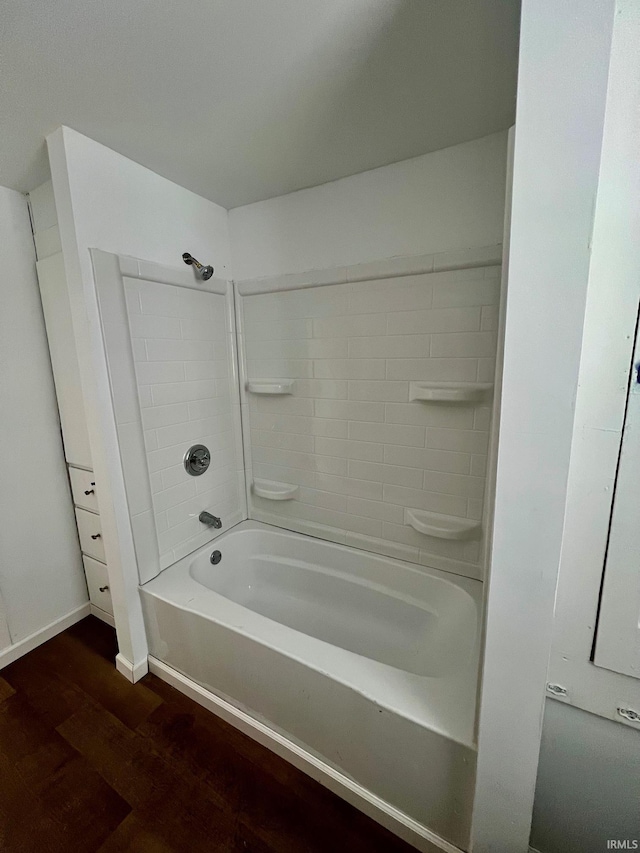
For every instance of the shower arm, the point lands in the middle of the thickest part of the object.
(204, 272)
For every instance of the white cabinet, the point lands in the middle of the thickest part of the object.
(66, 376)
(85, 492)
(64, 360)
(83, 488)
(90, 533)
(85, 495)
(98, 584)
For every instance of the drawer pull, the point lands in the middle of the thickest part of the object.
(95, 535)
(89, 491)
(103, 588)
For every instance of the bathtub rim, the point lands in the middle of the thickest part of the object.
(472, 586)
(440, 602)
(455, 694)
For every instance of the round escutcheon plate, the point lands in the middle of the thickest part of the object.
(197, 460)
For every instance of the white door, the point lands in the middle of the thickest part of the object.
(618, 637)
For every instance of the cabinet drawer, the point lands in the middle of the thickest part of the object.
(83, 487)
(98, 584)
(90, 533)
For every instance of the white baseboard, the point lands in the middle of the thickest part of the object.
(393, 819)
(101, 614)
(132, 672)
(23, 647)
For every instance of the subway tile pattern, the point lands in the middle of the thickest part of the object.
(182, 348)
(348, 435)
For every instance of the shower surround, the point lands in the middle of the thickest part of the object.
(370, 401)
(350, 405)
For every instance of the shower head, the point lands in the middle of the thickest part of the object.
(203, 272)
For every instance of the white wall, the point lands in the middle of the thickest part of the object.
(120, 206)
(41, 575)
(441, 202)
(607, 351)
(441, 207)
(564, 60)
(108, 202)
(588, 787)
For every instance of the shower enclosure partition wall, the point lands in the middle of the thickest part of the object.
(352, 405)
(170, 344)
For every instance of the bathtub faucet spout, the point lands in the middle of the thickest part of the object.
(211, 520)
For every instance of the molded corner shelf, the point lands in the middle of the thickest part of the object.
(274, 491)
(449, 392)
(441, 526)
(267, 386)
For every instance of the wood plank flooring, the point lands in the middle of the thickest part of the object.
(89, 762)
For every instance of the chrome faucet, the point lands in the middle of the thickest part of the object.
(210, 520)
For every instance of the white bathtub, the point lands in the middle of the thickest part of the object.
(367, 662)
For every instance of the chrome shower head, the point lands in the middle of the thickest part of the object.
(203, 272)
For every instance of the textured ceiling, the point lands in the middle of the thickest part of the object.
(241, 100)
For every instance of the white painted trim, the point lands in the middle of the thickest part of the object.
(133, 672)
(23, 647)
(101, 614)
(555, 182)
(484, 256)
(492, 456)
(376, 808)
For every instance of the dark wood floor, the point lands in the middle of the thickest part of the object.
(89, 762)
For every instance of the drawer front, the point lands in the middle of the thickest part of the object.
(90, 532)
(83, 487)
(98, 584)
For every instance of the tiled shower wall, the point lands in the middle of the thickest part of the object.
(182, 349)
(348, 435)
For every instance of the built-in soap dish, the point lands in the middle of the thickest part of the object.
(449, 392)
(272, 491)
(269, 386)
(441, 526)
